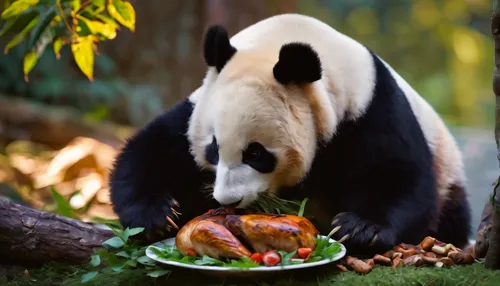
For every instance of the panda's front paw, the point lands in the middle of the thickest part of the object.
(359, 234)
(159, 221)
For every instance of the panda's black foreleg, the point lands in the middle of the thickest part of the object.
(156, 183)
(395, 212)
(361, 235)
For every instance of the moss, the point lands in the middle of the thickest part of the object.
(56, 274)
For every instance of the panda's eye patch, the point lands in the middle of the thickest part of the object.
(257, 157)
(212, 152)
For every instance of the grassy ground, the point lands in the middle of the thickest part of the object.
(462, 275)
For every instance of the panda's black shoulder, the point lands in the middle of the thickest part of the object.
(154, 150)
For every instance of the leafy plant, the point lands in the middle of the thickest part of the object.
(80, 24)
(121, 255)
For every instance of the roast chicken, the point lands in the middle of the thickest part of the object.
(218, 234)
(273, 232)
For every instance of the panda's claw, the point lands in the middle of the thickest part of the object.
(356, 232)
(374, 239)
(334, 230)
(171, 222)
(344, 238)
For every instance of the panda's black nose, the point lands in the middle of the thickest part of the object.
(232, 205)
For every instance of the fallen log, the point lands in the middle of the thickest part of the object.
(30, 237)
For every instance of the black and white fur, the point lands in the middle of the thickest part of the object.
(291, 106)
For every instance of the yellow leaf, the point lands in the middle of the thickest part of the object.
(98, 27)
(29, 62)
(83, 53)
(123, 12)
(58, 43)
(18, 7)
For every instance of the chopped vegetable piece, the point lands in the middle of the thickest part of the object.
(304, 252)
(257, 257)
(271, 258)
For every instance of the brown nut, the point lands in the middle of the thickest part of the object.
(409, 252)
(379, 259)
(413, 260)
(439, 250)
(388, 253)
(430, 260)
(396, 262)
(358, 265)
(427, 243)
(397, 255)
(341, 267)
(461, 257)
(431, 254)
(370, 261)
(447, 261)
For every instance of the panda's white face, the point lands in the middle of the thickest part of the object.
(256, 134)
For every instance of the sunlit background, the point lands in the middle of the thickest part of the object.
(443, 48)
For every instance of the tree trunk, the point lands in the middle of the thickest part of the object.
(493, 255)
(30, 237)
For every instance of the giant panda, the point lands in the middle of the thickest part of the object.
(292, 107)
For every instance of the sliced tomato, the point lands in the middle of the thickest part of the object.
(304, 252)
(271, 258)
(257, 257)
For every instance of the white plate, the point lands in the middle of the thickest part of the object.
(234, 270)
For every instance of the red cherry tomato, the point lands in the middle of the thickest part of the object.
(304, 252)
(271, 258)
(257, 257)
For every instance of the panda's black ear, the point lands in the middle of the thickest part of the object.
(217, 49)
(298, 63)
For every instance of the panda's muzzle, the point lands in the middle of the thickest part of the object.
(232, 205)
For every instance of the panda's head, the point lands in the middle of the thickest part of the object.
(259, 116)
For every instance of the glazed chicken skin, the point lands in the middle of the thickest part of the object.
(183, 238)
(216, 241)
(273, 232)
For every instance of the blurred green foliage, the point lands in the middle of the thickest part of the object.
(80, 24)
(441, 47)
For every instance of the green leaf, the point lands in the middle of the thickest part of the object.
(114, 242)
(43, 23)
(20, 37)
(62, 205)
(95, 261)
(75, 4)
(17, 8)
(99, 3)
(117, 268)
(207, 260)
(84, 55)
(285, 257)
(29, 62)
(146, 260)
(88, 276)
(131, 262)
(158, 273)
(58, 43)
(83, 28)
(123, 12)
(302, 207)
(135, 230)
(123, 254)
(7, 26)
